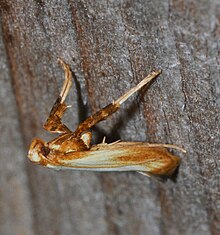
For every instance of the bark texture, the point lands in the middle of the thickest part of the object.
(111, 46)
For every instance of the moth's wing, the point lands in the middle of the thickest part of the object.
(122, 156)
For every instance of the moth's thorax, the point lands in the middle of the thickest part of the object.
(68, 143)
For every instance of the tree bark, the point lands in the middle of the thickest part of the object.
(111, 46)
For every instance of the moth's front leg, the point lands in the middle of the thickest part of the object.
(54, 123)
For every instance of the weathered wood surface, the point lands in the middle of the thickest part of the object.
(111, 45)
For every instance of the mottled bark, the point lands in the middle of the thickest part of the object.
(111, 46)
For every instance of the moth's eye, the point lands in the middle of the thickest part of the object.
(45, 151)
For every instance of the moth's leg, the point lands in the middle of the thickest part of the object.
(103, 141)
(115, 142)
(144, 173)
(54, 123)
(168, 146)
(114, 106)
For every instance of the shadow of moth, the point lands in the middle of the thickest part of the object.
(73, 150)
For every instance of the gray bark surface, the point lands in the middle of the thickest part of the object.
(111, 46)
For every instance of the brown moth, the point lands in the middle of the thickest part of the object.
(73, 149)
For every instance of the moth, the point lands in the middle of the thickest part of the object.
(73, 149)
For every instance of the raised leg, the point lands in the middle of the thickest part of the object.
(114, 106)
(54, 123)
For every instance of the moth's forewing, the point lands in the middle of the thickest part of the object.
(122, 156)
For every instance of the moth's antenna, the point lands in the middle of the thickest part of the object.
(114, 106)
(68, 81)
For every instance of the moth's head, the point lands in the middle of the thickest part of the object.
(38, 151)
